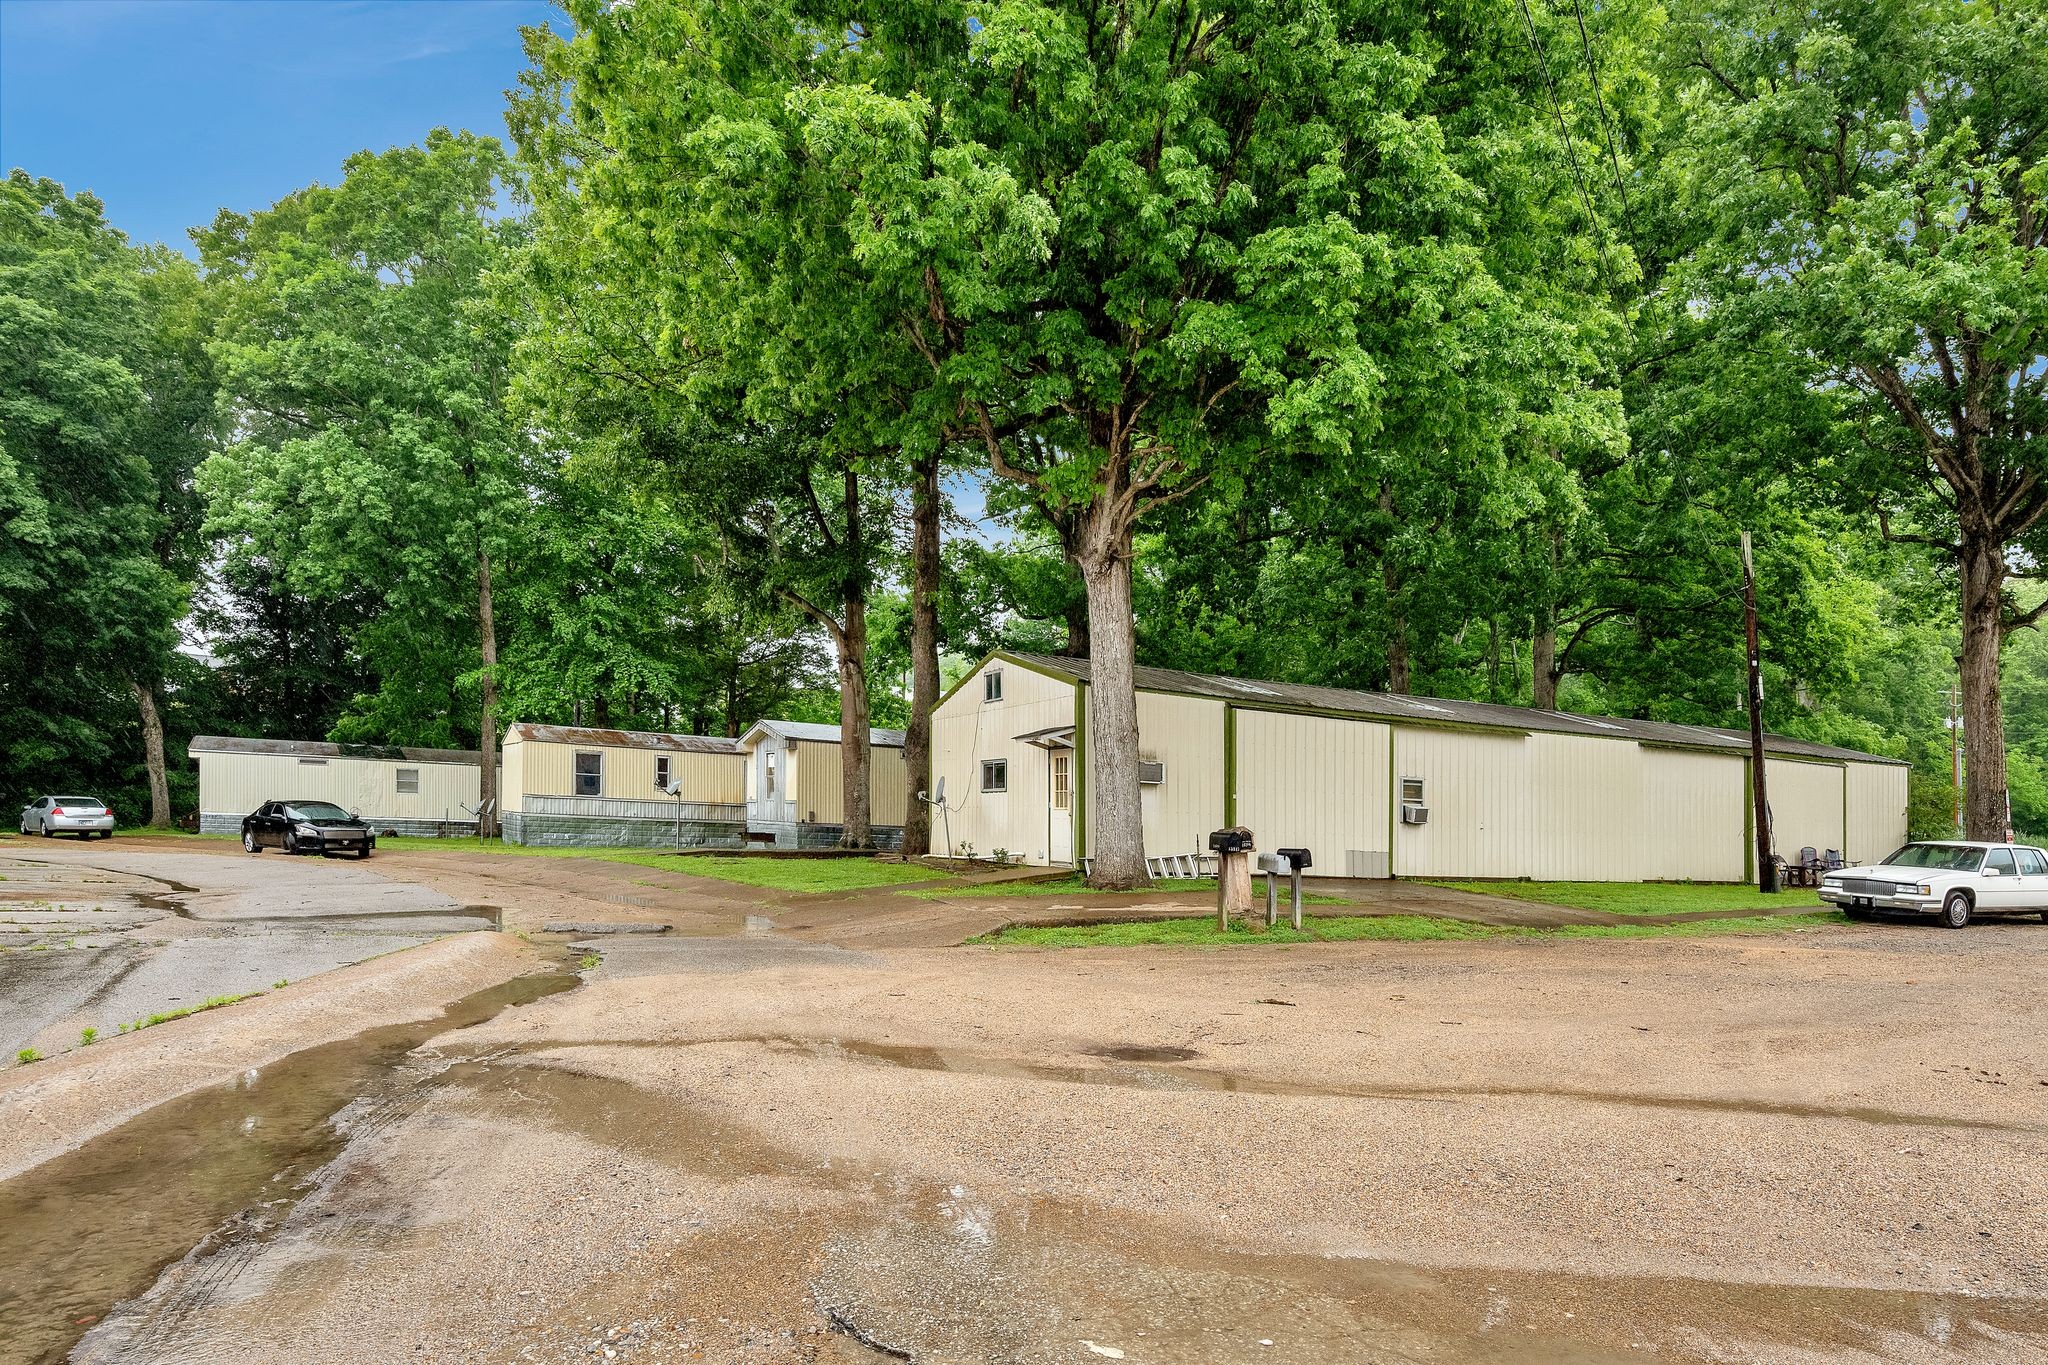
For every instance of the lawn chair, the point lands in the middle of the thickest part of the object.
(1831, 861)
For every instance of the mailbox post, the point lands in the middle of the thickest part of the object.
(1297, 860)
(1233, 849)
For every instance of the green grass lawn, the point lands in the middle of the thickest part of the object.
(1072, 885)
(1201, 933)
(1642, 898)
(803, 874)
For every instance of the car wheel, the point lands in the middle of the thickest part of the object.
(49, 833)
(291, 843)
(1955, 911)
(1859, 912)
(364, 852)
(249, 844)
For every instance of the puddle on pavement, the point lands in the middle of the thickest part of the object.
(94, 1227)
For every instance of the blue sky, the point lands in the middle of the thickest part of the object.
(170, 110)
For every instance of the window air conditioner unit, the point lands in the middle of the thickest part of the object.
(1415, 815)
(1151, 774)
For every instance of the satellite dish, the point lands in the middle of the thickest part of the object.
(673, 789)
(940, 796)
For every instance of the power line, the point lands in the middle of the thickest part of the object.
(1593, 70)
(1571, 152)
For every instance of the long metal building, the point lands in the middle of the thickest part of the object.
(405, 790)
(1381, 785)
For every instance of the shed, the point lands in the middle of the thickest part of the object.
(795, 784)
(581, 786)
(1381, 785)
(410, 791)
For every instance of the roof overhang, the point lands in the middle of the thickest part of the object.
(1051, 737)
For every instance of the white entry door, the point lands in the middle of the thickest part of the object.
(1060, 815)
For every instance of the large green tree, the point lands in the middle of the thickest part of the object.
(101, 416)
(1870, 183)
(366, 367)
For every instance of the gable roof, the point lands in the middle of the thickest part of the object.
(1279, 696)
(815, 733)
(312, 748)
(622, 739)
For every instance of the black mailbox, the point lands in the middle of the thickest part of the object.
(1297, 858)
(1234, 840)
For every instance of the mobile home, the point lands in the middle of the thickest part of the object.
(399, 790)
(578, 786)
(795, 788)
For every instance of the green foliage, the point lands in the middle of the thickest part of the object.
(87, 1035)
(27, 1055)
(1203, 933)
(1643, 898)
(804, 874)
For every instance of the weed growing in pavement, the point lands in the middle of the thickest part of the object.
(27, 1055)
(591, 962)
(86, 1035)
(279, 984)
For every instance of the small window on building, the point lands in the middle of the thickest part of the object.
(1412, 791)
(1062, 779)
(768, 785)
(589, 773)
(995, 774)
(408, 781)
(992, 685)
(661, 772)
(313, 762)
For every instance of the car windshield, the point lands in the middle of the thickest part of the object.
(1942, 857)
(316, 810)
(75, 801)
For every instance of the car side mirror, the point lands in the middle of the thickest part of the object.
(1991, 872)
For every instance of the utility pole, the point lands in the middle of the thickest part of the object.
(1766, 869)
(1955, 752)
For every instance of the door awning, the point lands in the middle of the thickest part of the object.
(1051, 737)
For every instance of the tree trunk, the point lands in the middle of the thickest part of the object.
(856, 829)
(487, 635)
(1400, 666)
(924, 653)
(601, 711)
(153, 755)
(1077, 631)
(1543, 667)
(1102, 552)
(1983, 581)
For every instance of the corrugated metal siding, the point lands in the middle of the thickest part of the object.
(1477, 787)
(239, 783)
(1691, 823)
(966, 730)
(1584, 808)
(819, 783)
(1186, 734)
(548, 770)
(1315, 783)
(1806, 805)
(1877, 811)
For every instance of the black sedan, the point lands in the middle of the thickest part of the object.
(306, 827)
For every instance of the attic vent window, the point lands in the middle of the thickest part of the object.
(1151, 773)
(408, 781)
(992, 685)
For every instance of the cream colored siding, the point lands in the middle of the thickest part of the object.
(1316, 783)
(236, 784)
(628, 773)
(1185, 734)
(1690, 825)
(1477, 789)
(1877, 811)
(512, 773)
(818, 783)
(1583, 807)
(966, 730)
(1806, 806)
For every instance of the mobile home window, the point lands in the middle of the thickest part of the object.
(408, 781)
(995, 774)
(661, 772)
(1411, 791)
(589, 773)
(769, 782)
(992, 685)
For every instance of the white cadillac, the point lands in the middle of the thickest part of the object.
(1951, 879)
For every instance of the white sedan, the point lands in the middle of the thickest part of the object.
(1951, 879)
(84, 816)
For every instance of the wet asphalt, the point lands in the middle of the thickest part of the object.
(101, 938)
